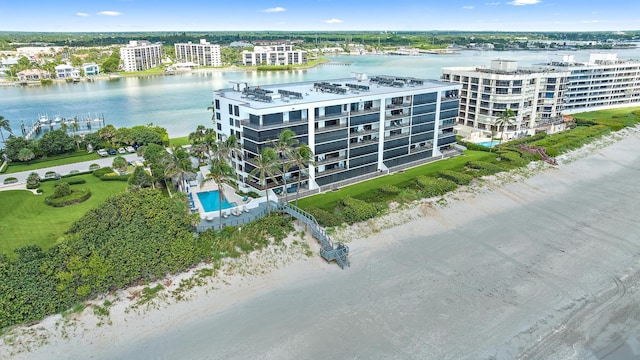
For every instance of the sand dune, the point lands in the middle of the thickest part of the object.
(538, 264)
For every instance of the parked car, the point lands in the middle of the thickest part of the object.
(112, 151)
(122, 151)
(102, 152)
(130, 149)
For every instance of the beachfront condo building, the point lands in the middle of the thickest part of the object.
(356, 127)
(534, 95)
(540, 95)
(274, 55)
(202, 53)
(140, 55)
(602, 83)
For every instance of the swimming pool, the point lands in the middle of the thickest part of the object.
(210, 201)
(488, 143)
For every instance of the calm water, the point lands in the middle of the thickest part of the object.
(179, 103)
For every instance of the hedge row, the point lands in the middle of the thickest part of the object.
(483, 167)
(455, 176)
(430, 186)
(77, 196)
(357, 210)
(107, 174)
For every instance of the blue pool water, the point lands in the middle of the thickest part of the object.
(488, 143)
(210, 201)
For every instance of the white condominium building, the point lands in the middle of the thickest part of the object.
(203, 53)
(274, 55)
(140, 55)
(354, 126)
(603, 83)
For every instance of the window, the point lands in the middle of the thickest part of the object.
(217, 104)
(217, 116)
(230, 109)
(236, 110)
(219, 126)
(230, 122)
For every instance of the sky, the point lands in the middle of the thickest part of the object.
(318, 15)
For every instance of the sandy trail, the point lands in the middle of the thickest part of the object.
(542, 266)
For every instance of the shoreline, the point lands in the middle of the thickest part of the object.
(257, 277)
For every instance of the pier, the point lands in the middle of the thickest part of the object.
(75, 124)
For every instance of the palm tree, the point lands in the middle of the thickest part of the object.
(221, 173)
(4, 125)
(504, 120)
(266, 167)
(302, 157)
(227, 149)
(177, 163)
(284, 147)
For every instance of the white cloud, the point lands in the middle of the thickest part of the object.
(275, 9)
(468, 7)
(110, 13)
(524, 2)
(333, 21)
(492, 3)
(81, 14)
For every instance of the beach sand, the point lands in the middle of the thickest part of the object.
(541, 263)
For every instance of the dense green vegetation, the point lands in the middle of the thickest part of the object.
(133, 237)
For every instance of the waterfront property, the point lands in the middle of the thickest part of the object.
(203, 53)
(540, 95)
(140, 55)
(355, 126)
(274, 55)
(64, 71)
(91, 69)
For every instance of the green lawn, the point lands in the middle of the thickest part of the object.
(25, 219)
(73, 158)
(179, 141)
(329, 200)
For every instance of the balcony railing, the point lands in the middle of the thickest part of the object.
(363, 132)
(396, 106)
(365, 111)
(332, 116)
(329, 160)
(363, 143)
(249, 125)
(330, 128)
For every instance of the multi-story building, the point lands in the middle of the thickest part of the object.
(203, 53)
(603, 83)
(140, 55)
(274, 55)
(354, 126)
(91, 69)
(64, 71)
(540, 95)
(535, 95)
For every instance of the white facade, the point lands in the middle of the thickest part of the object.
(354, 126)
(91, 69)
(64, 71)
(140, 55)
(274, 55)
(603, 83)
(203, 53)
(534, 95)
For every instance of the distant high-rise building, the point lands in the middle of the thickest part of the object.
(203, 53)
(274, 55)
(140, 55)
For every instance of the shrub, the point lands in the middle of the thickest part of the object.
(75, 181)
(102, 172)
(75, 197)
(61, 190)
(33, 181)
(430, 187)
(455, 176)
(585, 122)
(106, 174)
(357, 210)
(10, 180)
(472, 146)
(483, 167)
(389, 189)
(512, 157)
(324, 217)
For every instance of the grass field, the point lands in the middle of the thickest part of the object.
(179, 141)
(52, 161)
(25, 219)
(329, 200)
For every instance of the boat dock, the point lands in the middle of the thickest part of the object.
(75, 125)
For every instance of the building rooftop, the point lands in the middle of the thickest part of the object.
(261, 97)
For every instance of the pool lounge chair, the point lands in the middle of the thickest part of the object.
(245, 209)
(237, 212)
(225, 214)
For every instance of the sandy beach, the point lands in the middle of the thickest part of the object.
(541, 263)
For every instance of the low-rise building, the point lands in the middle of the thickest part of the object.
(91, 69)
(202, 53)
(274, 55)
(64, 71)
(354, 126)
(33, 75)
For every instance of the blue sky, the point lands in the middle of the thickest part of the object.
(319, 15)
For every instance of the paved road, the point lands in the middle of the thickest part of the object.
(65, 169)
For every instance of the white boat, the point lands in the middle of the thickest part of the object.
(57, 119)
(43, 119)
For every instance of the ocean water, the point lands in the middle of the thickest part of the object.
(179, 102)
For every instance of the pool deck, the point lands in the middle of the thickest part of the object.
(229, 194)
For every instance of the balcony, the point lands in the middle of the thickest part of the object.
(332, 116)
(330, 160)
(363, 143)
(398, 105)
(364, 132)
(365, 110)
(330, 128)
(397, 115)
(247, 124)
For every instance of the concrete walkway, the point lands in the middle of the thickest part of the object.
(62, 169)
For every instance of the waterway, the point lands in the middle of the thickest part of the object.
(179, 102)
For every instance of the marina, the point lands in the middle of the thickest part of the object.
(76, 125)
